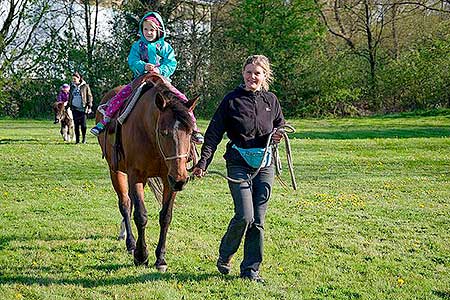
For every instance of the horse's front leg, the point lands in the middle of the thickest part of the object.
(120, 183)
(136, 193)
(165, 217)
(62, 132)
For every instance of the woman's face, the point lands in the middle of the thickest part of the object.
(75, 79)
(254, 77)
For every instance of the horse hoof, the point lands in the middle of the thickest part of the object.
(140, 258)
(140, 263)
(131, 247)
(161, 268)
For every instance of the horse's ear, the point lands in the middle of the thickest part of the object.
(160, 102)
(191, 104)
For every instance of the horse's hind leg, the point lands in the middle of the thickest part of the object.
(165, 217)
(65, 132)
(71, 133)
(122, 231)
(120, 183)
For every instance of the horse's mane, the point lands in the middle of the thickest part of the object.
(173, 100)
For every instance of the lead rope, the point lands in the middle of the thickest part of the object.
(276, 155)
(276, 158)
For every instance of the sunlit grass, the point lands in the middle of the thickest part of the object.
(370, 219)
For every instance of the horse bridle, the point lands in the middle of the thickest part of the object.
(161, 149)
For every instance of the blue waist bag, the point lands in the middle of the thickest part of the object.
(254, 156)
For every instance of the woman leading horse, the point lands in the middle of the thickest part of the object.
(155, 142)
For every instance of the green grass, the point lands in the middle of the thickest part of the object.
(370, 220)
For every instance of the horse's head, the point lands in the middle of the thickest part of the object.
(173, 136)
(58, 109)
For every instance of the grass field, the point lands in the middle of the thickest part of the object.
(370, 220)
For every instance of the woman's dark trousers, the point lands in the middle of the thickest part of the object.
(250, 205)
(79, 120)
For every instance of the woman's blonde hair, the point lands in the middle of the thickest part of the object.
(263, 62)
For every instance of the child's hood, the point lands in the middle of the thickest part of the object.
(160, 20)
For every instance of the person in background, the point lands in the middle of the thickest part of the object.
(151, 53)
(63, 95)
(248, 115)
(80, 101)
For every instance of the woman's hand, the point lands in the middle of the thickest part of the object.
(198, 172)
(277, 136)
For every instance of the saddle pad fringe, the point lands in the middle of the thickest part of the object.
(121, 119)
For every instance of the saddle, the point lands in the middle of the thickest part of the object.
(115, 124)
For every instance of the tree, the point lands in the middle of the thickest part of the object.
(22, 19)
(364, 25)
(284, 31)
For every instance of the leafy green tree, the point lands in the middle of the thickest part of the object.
(284, 31)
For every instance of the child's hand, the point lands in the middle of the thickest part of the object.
(149, 67)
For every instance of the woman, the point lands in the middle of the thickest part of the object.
(248, 114)
(80, 101)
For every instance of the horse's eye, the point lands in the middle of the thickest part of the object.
(164, 132)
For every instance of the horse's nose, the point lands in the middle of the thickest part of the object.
(177, 185)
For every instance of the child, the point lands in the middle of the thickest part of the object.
(149, 54)
(63, 95)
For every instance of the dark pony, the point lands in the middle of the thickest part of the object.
(65, 118)
(154, 142)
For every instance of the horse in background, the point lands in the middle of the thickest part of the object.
(154, 141)
(64, 116)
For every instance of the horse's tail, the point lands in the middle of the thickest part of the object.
(157, 187)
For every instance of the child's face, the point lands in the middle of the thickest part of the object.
(149, 31)
(66, 90)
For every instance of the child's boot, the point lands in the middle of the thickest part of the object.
(99, 127)
(197, 138)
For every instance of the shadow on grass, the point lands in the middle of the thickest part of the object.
(401, 133)
(59, 142)
(442, 294)
(418, 113)
(94, 282)
(31, 240)
(18, 141)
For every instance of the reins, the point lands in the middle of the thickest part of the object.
(162, 151)
(275, 154)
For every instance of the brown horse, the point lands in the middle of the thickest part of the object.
(155, 142)
(64, 116)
